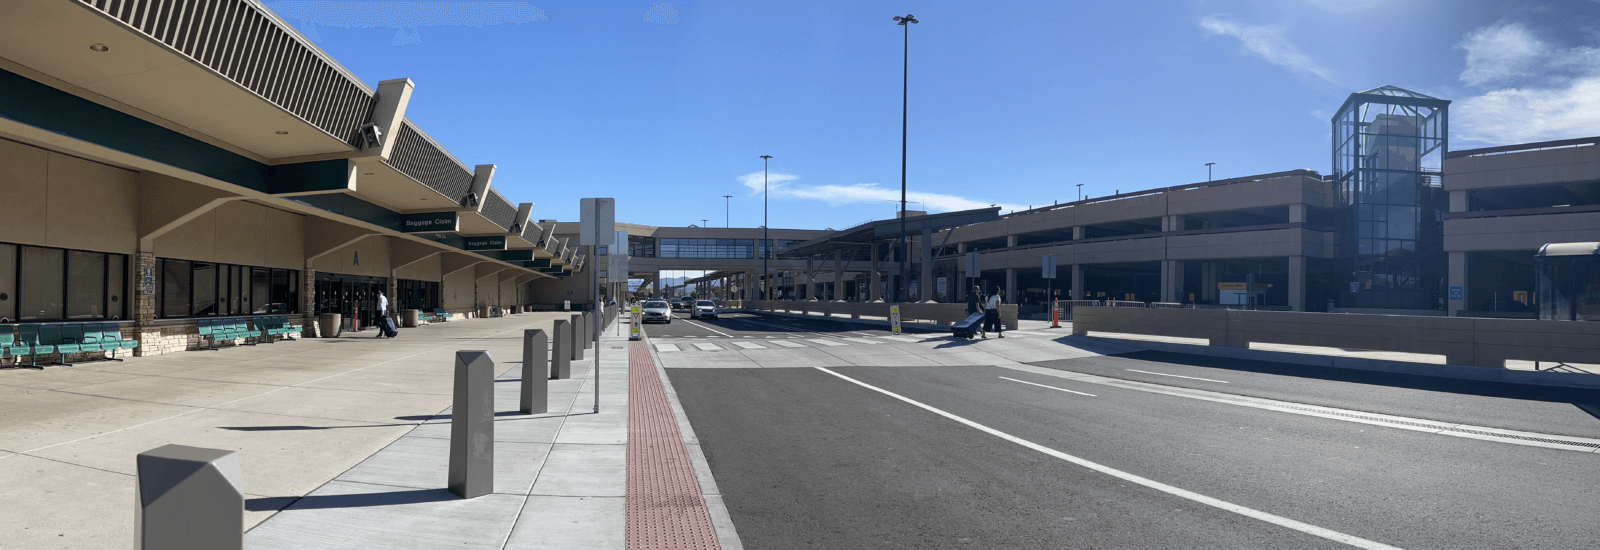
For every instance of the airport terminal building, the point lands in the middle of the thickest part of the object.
(173, 167)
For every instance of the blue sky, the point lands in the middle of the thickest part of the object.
(1011, 103)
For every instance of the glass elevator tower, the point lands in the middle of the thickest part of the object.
(1388, 144)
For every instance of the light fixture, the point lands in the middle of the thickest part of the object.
(283, 132)
(99, 48)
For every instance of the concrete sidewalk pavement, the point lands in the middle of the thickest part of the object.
(343, 443)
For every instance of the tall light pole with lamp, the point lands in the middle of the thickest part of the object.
(1208, 171)
(766, 283)
(905, 89)
(727, 211)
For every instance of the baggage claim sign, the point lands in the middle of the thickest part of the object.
(428, 222)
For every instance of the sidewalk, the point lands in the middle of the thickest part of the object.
(343, 443)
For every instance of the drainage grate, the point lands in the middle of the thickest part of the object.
(1585, 445)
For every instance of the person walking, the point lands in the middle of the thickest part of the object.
(385, 323)
(991, 315)
(975, 304)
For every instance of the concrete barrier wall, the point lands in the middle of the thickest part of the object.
(937, 314)
(1461, 340)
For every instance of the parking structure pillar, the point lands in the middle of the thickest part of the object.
(535, 372)
(188, 498)
(472, 426)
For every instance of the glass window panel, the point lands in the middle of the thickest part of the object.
(175, 278)
(116, 286)
(8, 282)
(1402, 222)
(227, 290)
(86, 285)
(39, 290)
(261, 290)
(282, 290)
(1364, 246)
(205, 288)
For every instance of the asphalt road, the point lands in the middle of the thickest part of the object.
(759, 325)
(805, 459)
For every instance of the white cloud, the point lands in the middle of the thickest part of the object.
(1501, 52)
(1540, 92)
(1268, 43)
(782, 186)
(1530, 114)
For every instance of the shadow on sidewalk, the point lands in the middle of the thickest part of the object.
(359, 500)
(413, 419)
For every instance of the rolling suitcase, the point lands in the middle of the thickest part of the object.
(968, 327)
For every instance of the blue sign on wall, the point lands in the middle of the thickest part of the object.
(1455, 294)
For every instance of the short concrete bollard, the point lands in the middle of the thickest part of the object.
(561, 352)
(472, 426)
(588, 329)
(535, 372)
(188, 497)
(579, 336)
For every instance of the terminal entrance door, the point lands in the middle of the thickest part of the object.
(353, 296)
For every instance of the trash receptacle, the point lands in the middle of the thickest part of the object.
(329, 324)
(411, 318)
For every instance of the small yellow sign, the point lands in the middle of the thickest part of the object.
(1230, 286)
(894, 319)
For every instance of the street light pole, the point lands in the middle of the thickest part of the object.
(766, 283)
(905, 90)
(1080, 191)
(727, 211)
(1208, 171)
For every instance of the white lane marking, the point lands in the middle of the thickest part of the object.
(901, 339)
(666, 347)
(1153, 484)
(1177, 376)
(749, 345)
(787, 344)
(1051, 387)
(826, 342)
(861, 340)
(702, 324)
(707, 347)
(862, 334)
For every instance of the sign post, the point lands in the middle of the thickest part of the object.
(894, 319)
(597, 223)
(635, 318)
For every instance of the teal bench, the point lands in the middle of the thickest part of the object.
(440, 314)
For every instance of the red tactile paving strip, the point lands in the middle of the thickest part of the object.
(665, 508)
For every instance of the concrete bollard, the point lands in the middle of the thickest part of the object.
(535, 372)
(472, 426)
(561, 353)
(578, 337)
(188, 497)
(588, 329)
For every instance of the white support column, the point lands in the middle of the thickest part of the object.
(961, 273)
(925, 277)
(1011, 285)
(873, 291)
(811, 278)
(1458, 277)
(1077, 281)
(1171, 280)
(838, 275)
(1297, 283)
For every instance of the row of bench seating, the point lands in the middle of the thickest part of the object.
(61, 339)
(264, 329)
(437, 315)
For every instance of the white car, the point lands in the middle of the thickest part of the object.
(703, 309)
(656, 310)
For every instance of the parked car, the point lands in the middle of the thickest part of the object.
(703, 309)
(656, 310)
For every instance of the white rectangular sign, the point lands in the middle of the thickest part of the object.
(597, 221)
(974, 265)
(1049, 267)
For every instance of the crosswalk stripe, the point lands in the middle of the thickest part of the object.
(861, 340)
(901, 339)
(707, 346)
(666, 347)
(826, 343)
(788, 344)
(749, 345)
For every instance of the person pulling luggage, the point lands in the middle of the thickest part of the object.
(975, 304)
(991, 315)
(385, 322)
